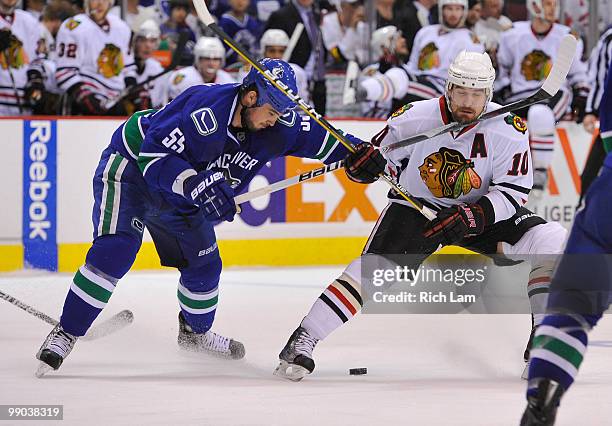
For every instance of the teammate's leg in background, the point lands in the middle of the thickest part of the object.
(576, 302)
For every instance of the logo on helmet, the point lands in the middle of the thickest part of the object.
(278, 72)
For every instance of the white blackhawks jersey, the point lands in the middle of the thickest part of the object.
(15, 60)
(435, 48)
(184, 78)
(525, 60)
(155, 87)
(93, 55)
(490, 159)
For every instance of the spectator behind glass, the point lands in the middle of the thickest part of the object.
(176, 23)
(410, 16)
(242, 27)
(309, 52)
(384, 13)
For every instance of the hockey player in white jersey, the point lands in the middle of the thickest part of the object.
(146, 41)
(434, 48)
(525, 57)
(19, 35)
(209, 58)
(93, 49)
(389, 49)
(273, 44)
(476, 179)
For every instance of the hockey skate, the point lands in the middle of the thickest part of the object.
(54, 350)
(542, 408)
(209, 342)
(296, 357)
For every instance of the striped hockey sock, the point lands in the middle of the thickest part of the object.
(88, 295)
(558, 349)
(199, 307)
(538, 288)
(340, 301)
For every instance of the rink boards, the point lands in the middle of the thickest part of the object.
(48, 165)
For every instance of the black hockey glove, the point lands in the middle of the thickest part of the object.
(365, 164)
(5, 39)
(86, 100)
(210, 191)
(456, 222)
(35, 88)
(579, 101)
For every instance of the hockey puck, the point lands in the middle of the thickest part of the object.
(358, 371)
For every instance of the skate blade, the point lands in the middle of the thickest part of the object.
(525, 374)
(292, 372)
(42, 369)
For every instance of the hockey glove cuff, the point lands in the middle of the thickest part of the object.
(455, 223)
(365, 164)
(210, 191)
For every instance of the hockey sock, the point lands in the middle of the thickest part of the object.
(340, 301)
(558, 349)
(198, 293)
(541, 124)
(537, 289)
(108, 259)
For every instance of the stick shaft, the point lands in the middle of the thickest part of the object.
(30, 310)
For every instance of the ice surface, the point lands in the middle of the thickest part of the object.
(422, 370)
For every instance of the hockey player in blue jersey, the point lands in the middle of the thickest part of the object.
(175, 171)
(579, 292)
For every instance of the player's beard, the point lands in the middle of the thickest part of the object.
(245, 120)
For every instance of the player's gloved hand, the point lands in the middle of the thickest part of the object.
(456, 222)
(34, 88)
(87, 100)
(579, 101)
(365, 164)
(5, 39)
(210, 191)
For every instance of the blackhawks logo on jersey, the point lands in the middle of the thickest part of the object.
(516, 122)
(536, 66)
(72, 24)
(448, 174)
(14, 56)
(429, 57)
(178, 78)
(401, 110)
(110, 61)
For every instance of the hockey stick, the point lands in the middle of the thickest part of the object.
(297, 32)
(106, 327)
(277, 186)
(208, 20)
(350, 83)
(552, 84)
(176, 57)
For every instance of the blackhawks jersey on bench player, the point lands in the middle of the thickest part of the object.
(93, 55)
(489, 159)
(193, 133)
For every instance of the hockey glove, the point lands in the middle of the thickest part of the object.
(210, 191)
(456, 222)
(365, 164)
(86, 100)
(579, 101)
(34, 88)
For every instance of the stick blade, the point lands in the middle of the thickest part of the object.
(203, 13)
(561, 66)
(350, 83)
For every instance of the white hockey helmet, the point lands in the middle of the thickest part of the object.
(536, 9)
(273, 37)
(148, 29)
(210, 48)
(442, 3)
(384, 37)
(473, 70)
